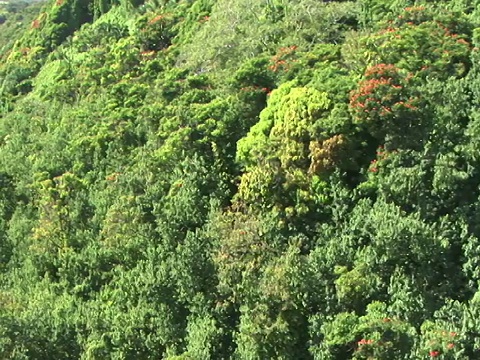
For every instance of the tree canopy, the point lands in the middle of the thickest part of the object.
(199, 179)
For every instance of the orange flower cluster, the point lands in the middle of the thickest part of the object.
(147, 54)
(414, 8)
(381, 94)
(112, 177)
(414, 15)
(35, 24)
(156, 19)
(365, 342)
(408, 104)
(364, 345)
(448, 337)
(366, 99)
(382, 155)
(279, 62)
(381, 71)
(387, 30)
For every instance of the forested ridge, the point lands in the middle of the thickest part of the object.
(247, 179)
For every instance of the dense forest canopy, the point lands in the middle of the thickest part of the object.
(248, 179)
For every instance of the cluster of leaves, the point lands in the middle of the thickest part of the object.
(255, 180)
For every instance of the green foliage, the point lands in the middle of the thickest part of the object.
(290, 120)
(239, 180)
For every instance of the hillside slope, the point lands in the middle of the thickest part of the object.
(202, 179)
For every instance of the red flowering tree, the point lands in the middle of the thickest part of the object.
(281, 61)
(375, 335)
(438, 342)
(385, 103)
(422, 41)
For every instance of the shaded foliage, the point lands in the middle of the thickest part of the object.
(239, 180)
